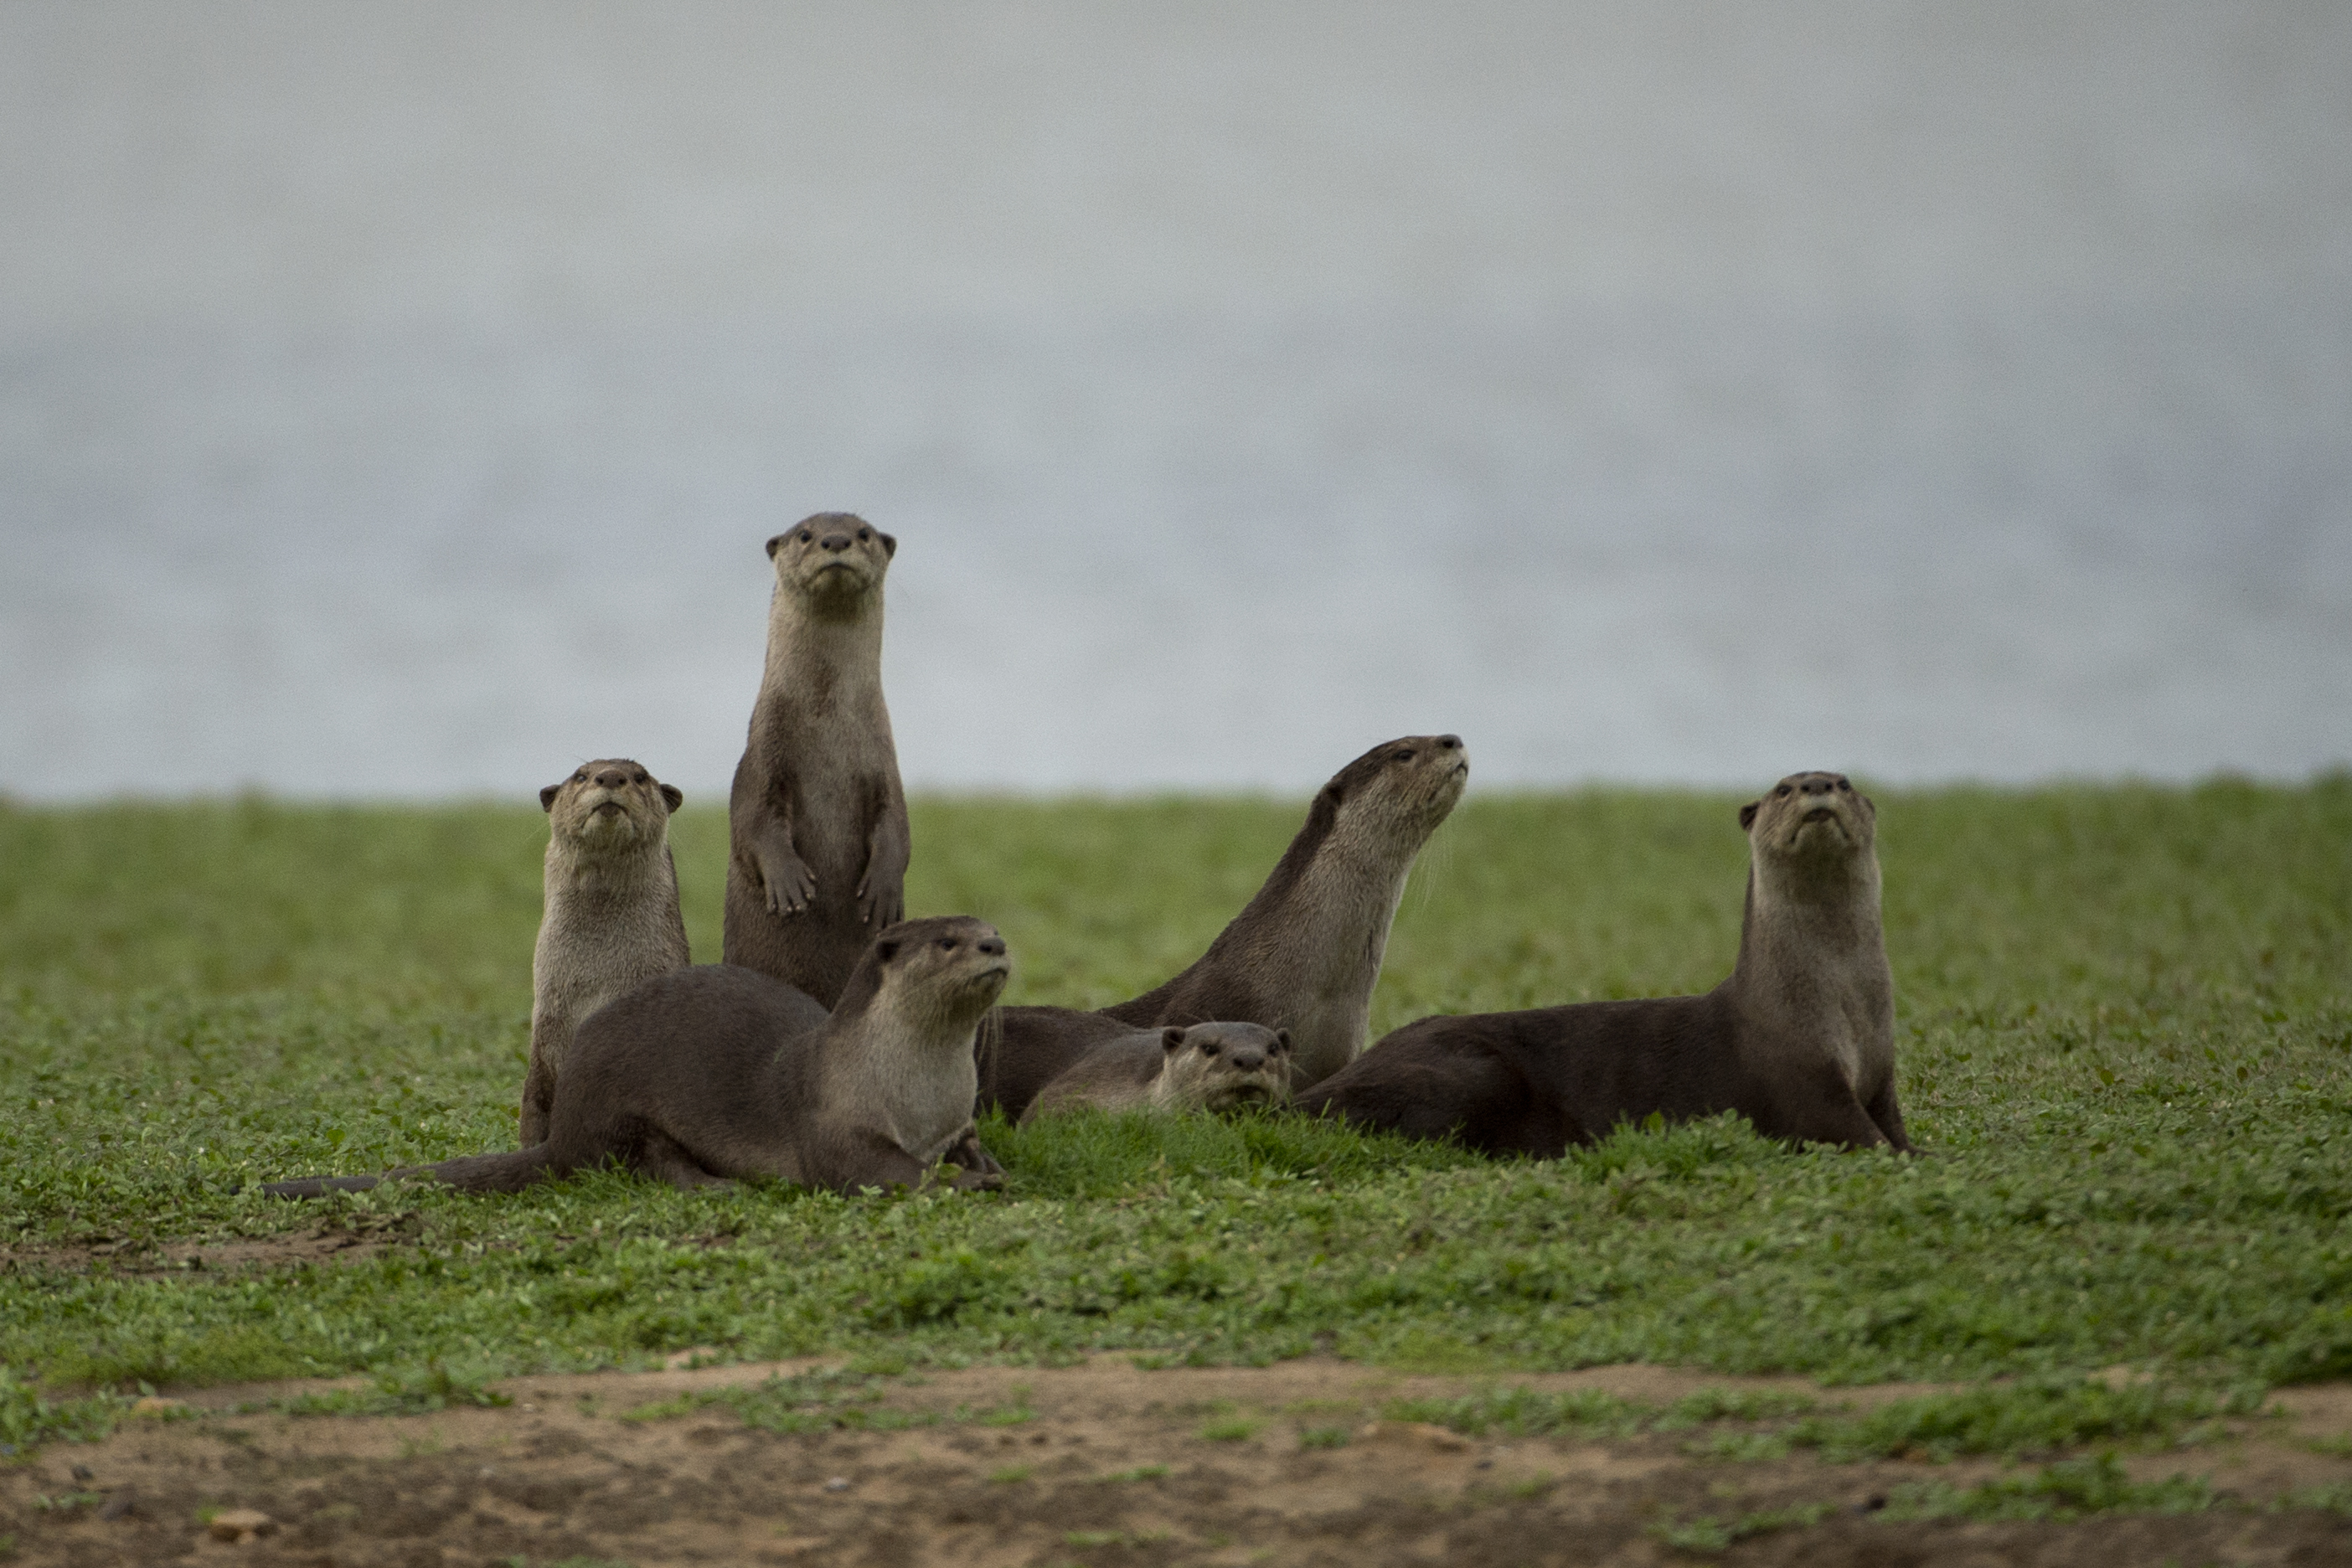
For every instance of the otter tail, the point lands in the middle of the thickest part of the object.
(472, 1173)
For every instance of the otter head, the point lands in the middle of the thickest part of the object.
(1400, 789)
(610, 807)
(1811, 823)
(1217, 1067)
(936, 974)
(833, 562)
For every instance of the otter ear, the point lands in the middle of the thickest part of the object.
(1171, 1039)
(884, 952)
(889, 545)
(674, 795)
(547, 797)
(774, 543)
(1282, 1040)
(1747, 813)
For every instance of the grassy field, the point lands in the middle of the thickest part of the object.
(2124, 1023)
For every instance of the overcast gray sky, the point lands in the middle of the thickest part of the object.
(1648, 391)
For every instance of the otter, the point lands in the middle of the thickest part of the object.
(706, 1075)
(1209, 1066)
(1302, 955)
(816, 821)
(612, 920)
(1799, 1040)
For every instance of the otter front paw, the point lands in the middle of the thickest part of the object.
(965, 1180)
(975, 1168)
(791, 885)
(879, 906)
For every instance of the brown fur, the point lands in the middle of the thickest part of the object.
(1209, 1066)
(1800, 1039)
(709, 1074)
(817, 838)
(1302, 955)
(612, 918)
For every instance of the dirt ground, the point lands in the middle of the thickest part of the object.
(1110, 1465)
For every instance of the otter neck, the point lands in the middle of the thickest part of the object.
(825, 645)
(909, 1074)
(1329, 933)
(1813, 963)
(617, 873)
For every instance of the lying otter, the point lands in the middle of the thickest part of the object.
(1799, 1040)
(1302, 955)
(1209, 1066)
(612, 920)
(715, 1072)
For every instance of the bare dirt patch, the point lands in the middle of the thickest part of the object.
(1098, 1465)
(338, 1238)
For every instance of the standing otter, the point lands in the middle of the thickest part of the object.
(1799, 1040)
(1302, 955)
(816, 822)
(612, 920)
(1209, 1066)
(715, 1072)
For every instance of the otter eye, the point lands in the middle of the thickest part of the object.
(806, 536)
(1210, 1050)
(1403, 756)
(1783, 789)
(864, 534)
(580, 777)
(1845, 787)
(640, 778)
(947, 944)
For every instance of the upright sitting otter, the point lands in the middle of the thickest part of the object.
(1799, 1040)
(816, 821)
(612, 920)
(1301, 956)
(1209, 1066)
(707, 1074)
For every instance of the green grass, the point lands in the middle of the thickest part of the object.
(2124, 1026)
(2033, 1416)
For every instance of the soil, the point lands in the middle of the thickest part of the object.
(1099, 1463)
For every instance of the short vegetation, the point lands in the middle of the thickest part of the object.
(2124, 1028)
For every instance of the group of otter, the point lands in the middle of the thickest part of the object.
(840, 1046)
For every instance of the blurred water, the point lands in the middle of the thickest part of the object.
(1648, 393)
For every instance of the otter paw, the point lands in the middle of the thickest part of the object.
(792, 892)
(965, 1180)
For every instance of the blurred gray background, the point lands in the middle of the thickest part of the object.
(394, 399)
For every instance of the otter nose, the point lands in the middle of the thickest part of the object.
(612, 778)
(1449, 742)
(992, 945)
(1249, 1061)
(836, 542)
(1818, 786)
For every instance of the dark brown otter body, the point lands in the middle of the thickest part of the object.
(816, 821)
(612, 918)
(1301, 956)
(1799, 1040)
(1209, 1066)
(719, 1071)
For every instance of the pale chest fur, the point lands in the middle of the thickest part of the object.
(1331, 950)
(912, 1092)
(1818, 983)
(602, 936)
